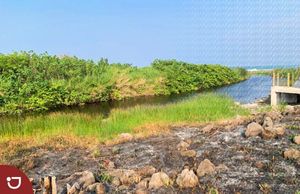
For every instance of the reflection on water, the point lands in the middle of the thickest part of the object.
(248, 91)
(104, 108)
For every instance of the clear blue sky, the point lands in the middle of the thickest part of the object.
(230, 32)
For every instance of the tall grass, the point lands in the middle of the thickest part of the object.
(204, 108)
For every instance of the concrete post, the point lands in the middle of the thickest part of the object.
(274, 97)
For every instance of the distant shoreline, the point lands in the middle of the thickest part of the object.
(255, 70)
(267, 67)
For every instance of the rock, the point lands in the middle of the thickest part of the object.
(274, 115)
(187, 179)
(189, 141)
(143, 184)
(297, 139)
(141, 191)
(289, 109)
(279, 130)
(116, 181)
(182, 146)
(100, 189)
(250, 106)
(268, 133)
(172, 174)
(146, 171)
(259, 165)
(124, 137)
(253, 129)
(206, 168)
(272, 132)
(115, 150)
(123, 187)
(109, 165)
(207, 129)
(222, 168)
(189, 153)
(268, 123)
(126, 177)
(74, 189)
(83, 179)
(158, 180)
(297, 109)
(97, 188)
(291, 154)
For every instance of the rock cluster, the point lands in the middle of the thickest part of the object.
(85, 182)
(198, 161)
(267, 131)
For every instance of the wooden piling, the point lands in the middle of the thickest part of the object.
(53, 184)
(48, 185)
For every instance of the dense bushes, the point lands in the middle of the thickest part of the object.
(37, 82)
(184, 77)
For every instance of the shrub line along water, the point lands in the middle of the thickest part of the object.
(32, 82)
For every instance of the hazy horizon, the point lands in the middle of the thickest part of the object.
(233, 33)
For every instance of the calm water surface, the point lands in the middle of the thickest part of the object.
(248, 91)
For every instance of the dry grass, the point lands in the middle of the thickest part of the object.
(12, 147)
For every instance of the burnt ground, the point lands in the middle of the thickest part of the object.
(225, 144)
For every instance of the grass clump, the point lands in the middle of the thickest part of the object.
(204, 108)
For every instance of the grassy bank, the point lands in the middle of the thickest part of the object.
(32, 82)
(204, 108)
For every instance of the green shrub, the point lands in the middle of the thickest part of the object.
(39, 82)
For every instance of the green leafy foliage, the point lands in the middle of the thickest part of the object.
(184, 77)
(39, 82)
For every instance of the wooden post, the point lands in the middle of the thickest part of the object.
(53, 184)
(274, 78)
(288, 80)
(277, 79)
(48, 185)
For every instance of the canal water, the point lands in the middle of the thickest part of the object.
(251, 90)
(248, 91)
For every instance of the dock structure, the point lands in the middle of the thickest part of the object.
(285, 89)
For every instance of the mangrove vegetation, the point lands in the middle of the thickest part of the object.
(31, 82)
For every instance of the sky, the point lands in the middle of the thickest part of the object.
(229, 32)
